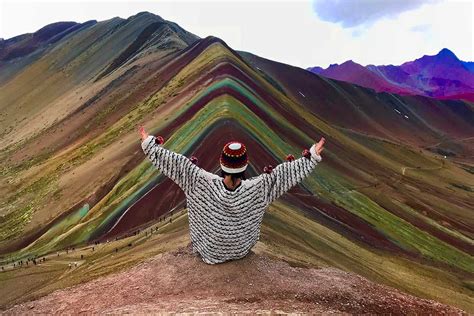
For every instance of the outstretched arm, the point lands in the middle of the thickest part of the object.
(287, 174)
(177, 167)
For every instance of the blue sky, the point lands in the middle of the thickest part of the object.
(300, 33)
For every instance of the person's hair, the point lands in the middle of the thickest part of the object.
(234, 176)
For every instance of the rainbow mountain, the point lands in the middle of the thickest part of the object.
(392, 200)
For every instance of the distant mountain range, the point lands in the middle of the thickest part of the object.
(442, 76)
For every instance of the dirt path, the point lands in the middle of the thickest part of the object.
(180, 282)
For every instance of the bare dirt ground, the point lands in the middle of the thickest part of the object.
(179, 282)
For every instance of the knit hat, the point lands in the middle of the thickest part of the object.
(234, 157)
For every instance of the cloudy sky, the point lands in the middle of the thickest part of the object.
(297, 32)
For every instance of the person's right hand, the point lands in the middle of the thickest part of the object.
(320, 146)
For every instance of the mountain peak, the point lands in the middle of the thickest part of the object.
(349, 62)
(446, 54)
(146, 14)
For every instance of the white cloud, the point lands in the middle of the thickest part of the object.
(352, 13)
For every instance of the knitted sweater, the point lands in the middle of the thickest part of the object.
(224, 224)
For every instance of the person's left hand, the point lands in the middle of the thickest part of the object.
(142, 132)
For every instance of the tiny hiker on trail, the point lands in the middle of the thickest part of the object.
(225, 212)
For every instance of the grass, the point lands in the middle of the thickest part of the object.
(405, 234)
(291, 236)
(31, 282)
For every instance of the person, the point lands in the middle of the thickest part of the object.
(225, 212)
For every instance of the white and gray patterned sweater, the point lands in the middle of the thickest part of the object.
(225, 224)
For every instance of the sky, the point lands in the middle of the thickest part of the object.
(302, 33)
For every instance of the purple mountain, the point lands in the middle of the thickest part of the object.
(441, 76)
